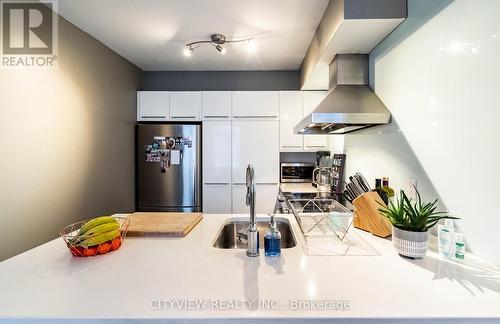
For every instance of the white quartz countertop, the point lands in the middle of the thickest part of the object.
(298, 187)
(187, 277)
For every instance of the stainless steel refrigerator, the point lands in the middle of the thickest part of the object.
(169, 167)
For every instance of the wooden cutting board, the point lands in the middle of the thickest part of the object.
(162, 224)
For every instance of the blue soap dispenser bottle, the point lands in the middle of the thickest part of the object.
(272, 240)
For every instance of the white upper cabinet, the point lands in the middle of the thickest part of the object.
(310, 100)
(256, 142)
(216, 104)
(217, 151)
(185, 105)
(315, 142)
(153, 105)
(248, 104)
(290, 114)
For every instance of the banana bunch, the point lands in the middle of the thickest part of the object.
(97, 231)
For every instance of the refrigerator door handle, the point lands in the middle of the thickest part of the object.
(194, 183)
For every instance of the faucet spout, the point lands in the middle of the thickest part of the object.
(250, 182)
(253, 234)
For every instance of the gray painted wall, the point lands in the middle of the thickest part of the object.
(221, 80)
(67, 138)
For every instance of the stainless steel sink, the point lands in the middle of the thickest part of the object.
(227, 238)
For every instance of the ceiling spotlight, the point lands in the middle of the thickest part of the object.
(251, 46)
(188, 51)
(221, 49)
(217, 40)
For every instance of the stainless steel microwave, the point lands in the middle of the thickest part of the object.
(296, 172)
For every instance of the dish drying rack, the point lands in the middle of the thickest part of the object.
(326, 226)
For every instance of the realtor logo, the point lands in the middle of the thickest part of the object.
(29, 34)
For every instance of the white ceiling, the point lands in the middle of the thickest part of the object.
(152, 33)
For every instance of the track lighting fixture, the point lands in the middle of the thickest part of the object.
(221, 49)
(217, 41)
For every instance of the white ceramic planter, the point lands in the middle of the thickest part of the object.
(410, 244)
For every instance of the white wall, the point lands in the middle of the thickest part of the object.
(439, 75)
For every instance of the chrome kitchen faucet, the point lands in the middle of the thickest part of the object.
(252, 233)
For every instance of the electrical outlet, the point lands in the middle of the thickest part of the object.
(412, 184)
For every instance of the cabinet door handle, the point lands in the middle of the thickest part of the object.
(291, 145)
(184, 117)
(146, 117)
(257, 183)
(215, 116)
(256, 116)
(217, 183)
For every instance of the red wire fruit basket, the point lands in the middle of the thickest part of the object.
(70, 232)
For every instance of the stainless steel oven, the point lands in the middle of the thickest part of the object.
(296, 172)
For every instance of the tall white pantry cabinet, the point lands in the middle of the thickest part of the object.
(216, 160)
(239, 128)
(255, 141)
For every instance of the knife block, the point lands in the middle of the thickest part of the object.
(367, 216)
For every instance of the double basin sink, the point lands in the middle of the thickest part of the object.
(228, 237)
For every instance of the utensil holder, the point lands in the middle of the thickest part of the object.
(367, 216)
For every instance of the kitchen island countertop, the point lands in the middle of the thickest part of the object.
(187, 277)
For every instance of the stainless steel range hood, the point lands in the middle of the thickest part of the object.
(350, 105)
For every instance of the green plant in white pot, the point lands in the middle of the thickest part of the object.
(411, 222)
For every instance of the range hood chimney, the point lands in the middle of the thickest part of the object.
(350, 105)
